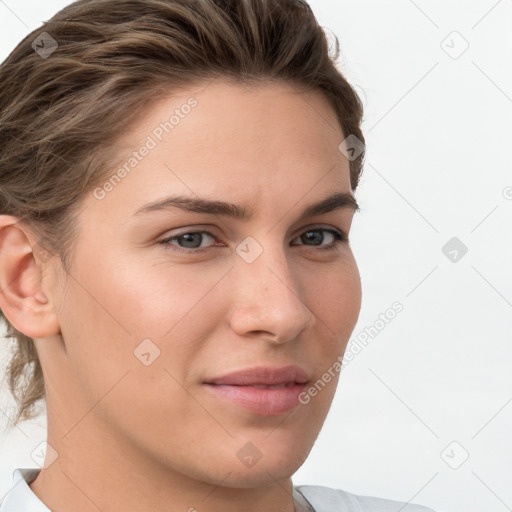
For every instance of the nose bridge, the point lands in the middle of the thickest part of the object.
(268, 298)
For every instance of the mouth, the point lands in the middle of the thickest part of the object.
(263, 376)
(264, 391)
(276, 386)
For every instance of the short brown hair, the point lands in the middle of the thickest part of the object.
(59, 111)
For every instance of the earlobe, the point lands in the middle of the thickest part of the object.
(23, 300)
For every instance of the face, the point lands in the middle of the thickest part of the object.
(162, 302)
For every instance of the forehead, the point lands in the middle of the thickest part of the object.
(227, 117)
(225, 140)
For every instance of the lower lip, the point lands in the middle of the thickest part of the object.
(262, 401)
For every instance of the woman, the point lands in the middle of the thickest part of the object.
(177, 194)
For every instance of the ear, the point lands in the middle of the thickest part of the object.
(23, 300)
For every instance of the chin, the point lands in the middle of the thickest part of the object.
(258, 467)
(266, 475)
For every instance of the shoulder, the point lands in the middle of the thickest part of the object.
(327, 499)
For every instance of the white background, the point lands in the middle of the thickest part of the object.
(438, 132)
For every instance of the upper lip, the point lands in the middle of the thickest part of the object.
(263, 376)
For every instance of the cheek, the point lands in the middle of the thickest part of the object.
(155, 299)
(105, 317)
(336, 298)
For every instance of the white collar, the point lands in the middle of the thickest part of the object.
(21, 497)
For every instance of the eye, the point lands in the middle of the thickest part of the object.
(312, 235)
(192, 241)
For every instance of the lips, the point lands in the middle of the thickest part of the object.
(263, 377)
(264, 391)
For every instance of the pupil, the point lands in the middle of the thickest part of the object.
(316, 235)
(188, 237)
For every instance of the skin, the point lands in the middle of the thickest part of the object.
(134, 437)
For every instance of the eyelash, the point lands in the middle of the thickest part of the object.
(340, 238)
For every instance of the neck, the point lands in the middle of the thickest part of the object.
(91, 473)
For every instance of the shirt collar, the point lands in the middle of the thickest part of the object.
(21, 498)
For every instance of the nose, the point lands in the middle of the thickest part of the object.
(267, 299)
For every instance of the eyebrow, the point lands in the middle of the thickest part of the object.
(339, 200)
